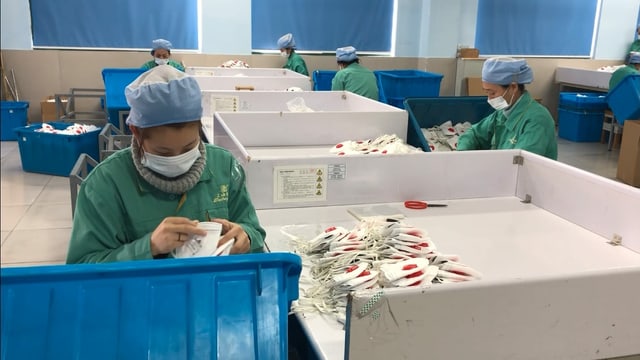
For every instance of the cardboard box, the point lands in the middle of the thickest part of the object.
(48, 108)
(474, 87)
(468, 53)
(629, 160)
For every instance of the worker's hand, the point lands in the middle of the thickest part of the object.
(230, 231)
(172, 233)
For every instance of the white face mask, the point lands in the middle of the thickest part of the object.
(162, 61)
(284, 54)
(498, 102)
(171, 166)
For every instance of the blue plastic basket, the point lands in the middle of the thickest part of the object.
(322, 79)
(583, 101)
(430, 112)
(14, 114)
(54, 154)
(580, 126)
(397, 85)
(624, 99)
(115, 81)
(232, 307)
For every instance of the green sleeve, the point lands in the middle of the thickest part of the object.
(479, 136)
(148, 65)
(300, 67)
(176, 65)
(338, 81)
(98, 233)
(241, 210)
(536, 137)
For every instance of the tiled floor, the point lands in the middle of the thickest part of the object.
(36, 209)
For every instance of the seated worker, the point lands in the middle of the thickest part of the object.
(352, 76)
(295, 62)
(635, 45)
(144, 201)
(161, 52)
(519, 121)
(632, 69)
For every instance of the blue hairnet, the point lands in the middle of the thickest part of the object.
(286, 41)
(504, 71)
(161, 44)
(634, 57)
(162, 96)
(346, 54)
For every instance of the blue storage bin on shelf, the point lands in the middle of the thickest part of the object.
(322, 79)
(624, 99)
(430, 112)
(395, 86)
(115, 81)
(54, 154)
(14, 114)
(583, 101)
(232, 307)
(580, 126)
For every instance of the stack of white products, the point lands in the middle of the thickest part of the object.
(385, 144)
(445, 136)
(75, 129)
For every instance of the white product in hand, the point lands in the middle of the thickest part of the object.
(198, 246)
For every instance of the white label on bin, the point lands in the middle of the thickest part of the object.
(337, 171)
(223, 103)
(299, 183)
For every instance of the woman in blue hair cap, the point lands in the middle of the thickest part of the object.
(352, 76)
(161, 52)
(632, 69)
(519, 121)
(145, 201)
(295, 62)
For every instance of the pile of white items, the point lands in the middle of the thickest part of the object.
(75, 129)
(298, 105)
(385, 144)
(234, 64)
(377, 253)
(445, 136)
(610, 68)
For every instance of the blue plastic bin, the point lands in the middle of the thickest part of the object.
(430, 112)
(396, 85)
(14, 114)
(54, 154)
(583, 101)
(115, 81)
(580, 126)
(232, 307)
(624, 99)
(322, 79)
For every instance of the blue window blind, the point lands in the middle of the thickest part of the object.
(540, 27)
(323, 25)
(114, 23)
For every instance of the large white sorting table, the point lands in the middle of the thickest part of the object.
(553, 286)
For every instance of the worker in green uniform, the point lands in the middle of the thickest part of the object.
(635, 46)
(295, 62)
(352, 76)
(161, 52)
(147, 200)
(632, 69)
(519, 121)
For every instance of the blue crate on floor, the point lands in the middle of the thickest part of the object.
(322, 79)
(580, 126)
(430, 112)
(232, 307)
(14, 114)
(54, 154)
(583, 101)
(403, 84)
(624, 99)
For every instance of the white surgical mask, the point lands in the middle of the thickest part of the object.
(284, 54)
(162, 61)
(498, 102)
(171, 166)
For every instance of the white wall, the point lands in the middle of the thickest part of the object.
(15, 24)
(226, 27)
(616, 29)
(447, 23)
(408, 33)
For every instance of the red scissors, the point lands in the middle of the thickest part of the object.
(419, 205)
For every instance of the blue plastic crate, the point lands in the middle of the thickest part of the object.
(14, 114)
(322, 79)
(403, 84)
(624, 99)
(430, 112)
(54, 154)
(232, 307)
(115, 81)
(583, 101)
(580, 126)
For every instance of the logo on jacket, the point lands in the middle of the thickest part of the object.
(223, 194)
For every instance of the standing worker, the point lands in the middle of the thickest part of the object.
(519, 121)
(352, 76)
(632, 69)
(295, 62)
(145, 201)
(161, 52)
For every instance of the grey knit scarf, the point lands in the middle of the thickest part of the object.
(179, 185)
